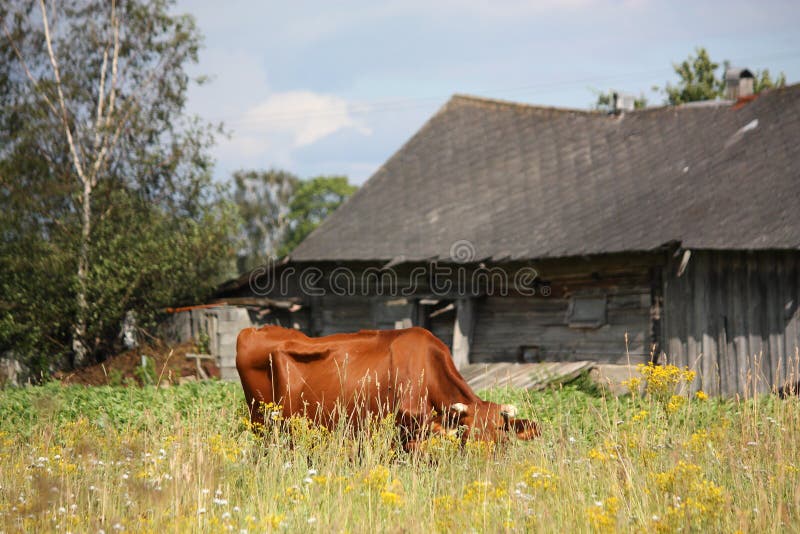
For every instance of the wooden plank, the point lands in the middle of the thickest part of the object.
(656, 313)
(738, 294)
(201, 373)
(199, 356)
(732, 297)
(463, 328)
(792, 319)
(698, 290)
(257, 301)
(680, 310)
(316, 323)
(668, 334)
(755, 315)
(727, 376)
(689, 357)
(769, 264)
(705, 315)
(782, 270)
(676, 312)
(443, 330)
(532, 376)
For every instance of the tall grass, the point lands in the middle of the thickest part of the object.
(110, 459)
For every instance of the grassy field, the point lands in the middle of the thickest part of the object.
(112, 459)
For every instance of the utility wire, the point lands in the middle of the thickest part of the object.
(411, 103)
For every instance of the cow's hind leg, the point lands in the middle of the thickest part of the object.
(254, 364)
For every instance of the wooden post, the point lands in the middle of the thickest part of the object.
(462, 331)
(201, 373)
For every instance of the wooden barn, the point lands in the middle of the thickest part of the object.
(519, 233)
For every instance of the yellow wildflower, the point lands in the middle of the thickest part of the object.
(481, 491)
(633, 384)
(377, 477)
(675, 403)
(294, 494)
(603, 515)
(444, 503)
(663, 380)
(596, 454)
(391, 498)
(698, 440)
(540, 478)
(643, 414)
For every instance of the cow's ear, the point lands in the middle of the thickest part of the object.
(455, 412)
(459, 408)
(525, 429)
(508, 411)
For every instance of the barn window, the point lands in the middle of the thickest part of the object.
(586, 311)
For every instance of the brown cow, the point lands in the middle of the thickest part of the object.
(408, 373)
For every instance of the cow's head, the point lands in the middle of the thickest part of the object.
(488, 421)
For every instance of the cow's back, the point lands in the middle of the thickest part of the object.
(423, 366)
(317, 377)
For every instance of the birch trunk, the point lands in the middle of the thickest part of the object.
(79, 329)
(87, 178)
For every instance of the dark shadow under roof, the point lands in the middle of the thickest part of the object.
(525, 182)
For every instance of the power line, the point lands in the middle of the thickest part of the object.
(396, 105)
(417, 102)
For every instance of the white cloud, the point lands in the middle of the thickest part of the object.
(306, 116)
(269, 132)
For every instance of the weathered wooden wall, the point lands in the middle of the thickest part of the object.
(503, 324)
(506, 324)
(733, 317)
(333, 314)
(441, 325)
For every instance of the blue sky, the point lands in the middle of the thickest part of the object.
(337, 87)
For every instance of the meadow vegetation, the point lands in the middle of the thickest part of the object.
(183, 458)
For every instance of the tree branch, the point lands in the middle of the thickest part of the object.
(25, 67)
(100, 100)
(134, 105)
(64, 118)
(106, 121)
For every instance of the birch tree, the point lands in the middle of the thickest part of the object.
(93, 92)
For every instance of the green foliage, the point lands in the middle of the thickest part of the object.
(159, 230)
(585, 384)
(115, 377)
(118, 407)
(699, 80)
(313, 200)
(204, 343)
(146, 373)
(763, 80)
(278, 210)
(262, 198)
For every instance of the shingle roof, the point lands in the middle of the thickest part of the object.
(526, 182)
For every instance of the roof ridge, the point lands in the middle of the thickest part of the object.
(511, 103)
(649, 109)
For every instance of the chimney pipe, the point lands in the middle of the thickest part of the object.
(623, 102)
(738, 83)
